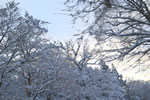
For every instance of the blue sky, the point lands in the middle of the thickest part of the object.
(61, 27)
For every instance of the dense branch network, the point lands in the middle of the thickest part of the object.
(126, 20)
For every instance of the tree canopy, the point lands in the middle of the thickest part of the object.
(126, 20)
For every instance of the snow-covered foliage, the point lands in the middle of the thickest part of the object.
(33, 68)
(138, 90)
(90, 84)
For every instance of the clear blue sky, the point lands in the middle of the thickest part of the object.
(61, 27)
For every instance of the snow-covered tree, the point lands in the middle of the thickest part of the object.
(101, 83)
(20, 38)
(80, 53)
(34, 68)
(126, 20)
(138, 90)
